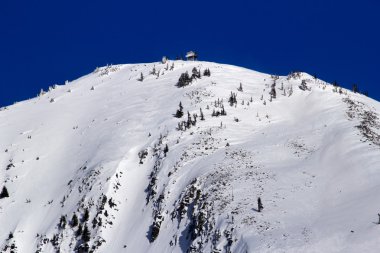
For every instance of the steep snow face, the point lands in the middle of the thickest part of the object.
(109, 149)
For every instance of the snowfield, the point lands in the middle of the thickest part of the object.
(108, 148)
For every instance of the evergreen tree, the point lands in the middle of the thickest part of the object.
(94, 223)
(184, 80)
(232, 100)
(355, 88)
(188, 123)
(195, 116)
(303, 85)
(86, 215)
(273, 92)
(74, 220)
(223, 112)
(166, 149)
(79, 230)
(86, 235)
(195, 73)
(141, 77)
(153, 72)
(240, 87)
(259, 205)
(179, 112)
(62, 222)
(4, 193)
(201, 113)
(206, 72)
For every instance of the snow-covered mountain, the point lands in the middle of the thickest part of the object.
(102, 164)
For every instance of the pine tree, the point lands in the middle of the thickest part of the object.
(166, 149)
(223, 112)
(240, 87)
(303, 85)
(86, 215)
(86, 235)
(232, 100)
(188, 123)
(206, 72)
(153, 72)
(62, 222)
(195, 116)
(4, 193)
(74, 220)
(79, 230)
(273, 92)
(290, 91)
(259, 205)
(196, 73)
(94, 223)
(179, 112)
(141, 77)
(201, 113)
(355, 88)
(184, 80)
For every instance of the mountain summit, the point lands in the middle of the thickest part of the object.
(173, 158)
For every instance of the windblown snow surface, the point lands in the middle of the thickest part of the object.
(312, 154)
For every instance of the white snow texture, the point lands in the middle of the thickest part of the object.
(311, 152)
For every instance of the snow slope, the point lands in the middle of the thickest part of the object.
(311, 154)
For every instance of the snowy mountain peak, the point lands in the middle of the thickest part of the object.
(173, 158)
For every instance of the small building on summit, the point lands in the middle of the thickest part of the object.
(191, 56)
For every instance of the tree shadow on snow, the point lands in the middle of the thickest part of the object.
(184, 241)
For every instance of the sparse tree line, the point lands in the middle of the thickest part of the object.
(191, 119)
(155, 72)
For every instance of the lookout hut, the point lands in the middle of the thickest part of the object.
(191, 56)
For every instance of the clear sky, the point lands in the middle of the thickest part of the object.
(47, 42)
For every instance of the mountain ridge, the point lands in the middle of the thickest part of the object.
(98, 144)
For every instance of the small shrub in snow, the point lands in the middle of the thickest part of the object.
(141, 77)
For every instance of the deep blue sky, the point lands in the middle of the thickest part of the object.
(47, 42)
